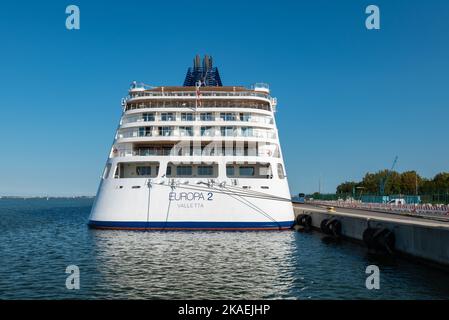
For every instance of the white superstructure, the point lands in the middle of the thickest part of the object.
(195, 157)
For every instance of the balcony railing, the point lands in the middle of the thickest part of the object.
(147, 152)
(235, 118)
(139, 94)
(194, 104)
(264, 134)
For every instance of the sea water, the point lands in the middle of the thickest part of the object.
(40, 238)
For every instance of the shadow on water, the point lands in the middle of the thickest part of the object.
(382, 259)
(378, 257)
(328, 240)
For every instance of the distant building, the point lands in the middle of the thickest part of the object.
(385, 199)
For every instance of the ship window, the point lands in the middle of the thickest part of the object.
(117, 171)
(143, 171)
(206, 116)
(205, 170)
(207, 131)
(144, 131)
(187, 117)
(230, 172)
(257, 171)
(165, 131)
(247, 131)
(186, 131)
(136, 169)
(281, 173)
(152, 151)
(227, 131)
(107, 169)
(192, 170)
(148, 117)
(245, 116)
(184, 171)
(227, 116)
(167, 116)
(246, 171)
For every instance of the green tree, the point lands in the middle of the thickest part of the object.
(410, 180)
(441, 183)
(426, 187)
(400, 183)
(370, 183)
(346, 187)
(393, 183)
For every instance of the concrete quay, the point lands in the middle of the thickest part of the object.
(417, 237)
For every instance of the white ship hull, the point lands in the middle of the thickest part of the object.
(121, 205)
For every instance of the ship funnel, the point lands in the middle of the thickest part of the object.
(203, 72)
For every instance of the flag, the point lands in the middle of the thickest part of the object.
(198, 94)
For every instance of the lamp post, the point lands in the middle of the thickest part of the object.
(361, 190)
(416, 183)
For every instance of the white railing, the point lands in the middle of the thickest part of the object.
(175, 131)
(146, 152)
(157, 117)
(140, 94)
(417, 209)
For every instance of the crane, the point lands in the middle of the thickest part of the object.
(384, 180)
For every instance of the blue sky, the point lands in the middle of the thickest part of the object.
(350, 99)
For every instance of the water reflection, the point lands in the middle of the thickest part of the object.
(39, 239)
(197, 265)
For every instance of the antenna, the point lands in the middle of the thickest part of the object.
(384, 180)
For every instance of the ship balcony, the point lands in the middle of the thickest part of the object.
(193, 152)
(194, 133)
(217, 118)
(218, 123)
(262, 93)
(262, 107)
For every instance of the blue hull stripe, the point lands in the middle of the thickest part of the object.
(189, 225)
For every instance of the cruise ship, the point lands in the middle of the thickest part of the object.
(202, 156)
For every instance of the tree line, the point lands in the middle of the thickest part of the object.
(406, 183)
